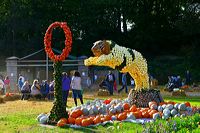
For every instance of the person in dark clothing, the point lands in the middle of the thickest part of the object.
(65, 87)
(124, 83)
(110, 77)
(25, 90)
(44, 89)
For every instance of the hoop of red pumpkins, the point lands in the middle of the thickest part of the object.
(48, 44)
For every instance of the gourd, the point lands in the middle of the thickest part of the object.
(169, 106)
(156, 116)
(118, 108)
(40, 116)
(122, 116)
(163, 106)
(112, 110)
(86, 122)
(126, 106)
(113, 118)
(188, 104)
(145, 114)
(166, 112)
(76, 113)
(166, 116)
(78, 121)
(174, 112)
(95, 110)
(85, 111)
(61, 123)
(182, 107)
(133, 108)
(130, 117)
(176, 105)
(189, 109)
(153, 106)
(71, 120)
(43, 119)
(90, 111)
(160, 108)
(177, 115)
(97, 119)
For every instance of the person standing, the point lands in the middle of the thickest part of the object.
(2, 86)
(65, 87)
(7, 84)
(35, 89)
(76, 87)
(22, 77)
(20, 84)
(110, 77)
(124, 83)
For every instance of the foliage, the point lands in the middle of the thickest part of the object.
(58, 110)
(154, 27)
(174, 124)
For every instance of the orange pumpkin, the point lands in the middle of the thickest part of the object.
(152, 112)
(126, 106)
(61, 123)
(162, 103)
(188, 104)
(65, 120)
(145, 115)
(86, 122)
(71, 120)
(133, 108)
(122, 116)
(107, 118)
(78, 121)
(76, 113)
(137, 114)
(97, 119)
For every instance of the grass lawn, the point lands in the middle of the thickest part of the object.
(20, 116)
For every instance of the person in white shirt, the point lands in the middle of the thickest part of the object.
(22, 78)
(76, 87)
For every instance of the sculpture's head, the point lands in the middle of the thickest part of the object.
(101, 47)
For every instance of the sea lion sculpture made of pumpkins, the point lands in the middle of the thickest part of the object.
(108, 53)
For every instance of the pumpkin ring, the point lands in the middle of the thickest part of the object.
(68, 41)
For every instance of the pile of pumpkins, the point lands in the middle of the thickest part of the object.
(99, 111)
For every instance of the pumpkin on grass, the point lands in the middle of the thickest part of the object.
(97, 119)
(86, 122)
(78, 121)
(145, 115)
(133, 108)
(187, 104)
(76, 113)
(62, 122)
(122, 116)
(126, 106)
(137, 114)
(71, 120)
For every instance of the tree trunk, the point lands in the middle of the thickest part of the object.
(59, 109)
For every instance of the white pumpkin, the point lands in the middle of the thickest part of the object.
(165, 116)
(156, 116)
(160, 108)
(119, 108)
(113, 118)
(90, 111)
(85, 111)
(177, 115)
(182, 107)
(40, 116)
(163, 106)
(130, 117)
(170, 106)
(176, 105)
(183, 115)
(95, 110)
(166, 111)
(174, 112)
(112, 111)
(43, 119)
(154, 106)
(189, 109)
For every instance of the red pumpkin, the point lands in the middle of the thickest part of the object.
(188, 104)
